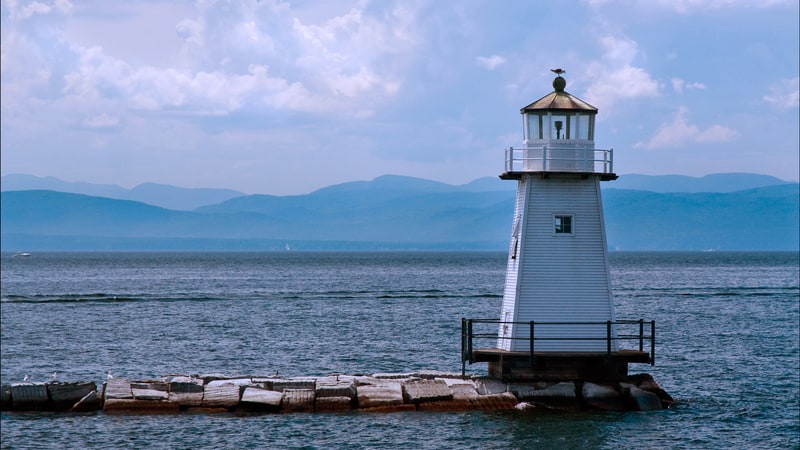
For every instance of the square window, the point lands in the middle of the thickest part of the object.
(563, 224)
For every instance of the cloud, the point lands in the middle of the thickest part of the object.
(691, 6)
(25, 10)
(784, 94)
(101, 121)
(614, 76)
(679, 84)
(680, 132)
(491, 62)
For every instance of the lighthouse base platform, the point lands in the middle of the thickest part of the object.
(549, 366)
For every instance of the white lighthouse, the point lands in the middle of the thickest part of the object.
(558, 263)
(557, 317)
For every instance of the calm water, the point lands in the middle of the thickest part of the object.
(727, 324)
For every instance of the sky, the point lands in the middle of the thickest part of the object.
(285, 97)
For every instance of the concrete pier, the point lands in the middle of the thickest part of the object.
(419, 391)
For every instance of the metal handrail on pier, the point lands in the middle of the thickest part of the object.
(645, 331)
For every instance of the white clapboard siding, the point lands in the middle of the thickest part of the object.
(558, 277)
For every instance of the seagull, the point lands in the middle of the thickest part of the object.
(53, 376)
(109, 376)
(558, 71)
(27, 378)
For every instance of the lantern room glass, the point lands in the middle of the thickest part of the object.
(559, 126)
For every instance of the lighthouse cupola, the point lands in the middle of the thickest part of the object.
(558, 133)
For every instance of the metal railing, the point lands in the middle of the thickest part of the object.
(643, 331)
(560, 158)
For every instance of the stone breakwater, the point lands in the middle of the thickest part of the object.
(421, 391)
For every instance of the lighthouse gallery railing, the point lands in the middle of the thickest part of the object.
(566, 157)
(642, 331)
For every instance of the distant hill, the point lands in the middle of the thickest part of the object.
(718, 182)
(393, 213)
(162, 195)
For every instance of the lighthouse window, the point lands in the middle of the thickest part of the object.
(563, 224)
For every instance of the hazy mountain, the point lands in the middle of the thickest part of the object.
(718, 182)
(396, 213)
(162, 195)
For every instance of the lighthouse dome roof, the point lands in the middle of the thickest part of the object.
(559, 100)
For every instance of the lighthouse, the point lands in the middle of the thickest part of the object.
(557, 316)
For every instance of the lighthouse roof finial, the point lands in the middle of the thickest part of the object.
(559, 83)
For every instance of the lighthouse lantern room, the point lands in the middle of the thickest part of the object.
(557, 316)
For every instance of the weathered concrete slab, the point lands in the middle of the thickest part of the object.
(298, 400)
(487, 386)
(329, 404)
(261, 399)
(379, 395)
(432, 374)
(283, 384)
(602, 397)
(149, 394)
(29, 396)
(221, 395)
(89, 402)
(117, 388)
(393, 376)
(426, 391)
(119, 405)
(495, 402)
(463, 391)
(65, 395)
(335, 387)
(186, 391)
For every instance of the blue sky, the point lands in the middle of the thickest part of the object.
(284, 97)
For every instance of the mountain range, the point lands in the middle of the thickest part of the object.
(717, 212)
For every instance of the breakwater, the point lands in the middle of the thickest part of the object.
(388, 392)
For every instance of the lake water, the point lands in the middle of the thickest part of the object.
(728, 345)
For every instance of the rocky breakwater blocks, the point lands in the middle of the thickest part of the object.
(257, 398)
(603, 397)
(118, 397)
(29, 397)
(224, 394)
(186, 391)
(335, 393)
(562, 395)
(376, 394)
(73, 396)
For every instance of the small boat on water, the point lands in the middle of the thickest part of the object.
(21, 254)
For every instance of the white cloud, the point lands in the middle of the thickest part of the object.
(691, 6)
(614, 77)
(491, 62)
(25, 10)
(678, 85)
(680, 132)
(784, 94)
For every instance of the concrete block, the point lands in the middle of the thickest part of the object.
(642, 400)
(379, 395)
(221, 395)
(5, 398)
(463, 391)
(329, 404)
(426, 391)
(149, 394)
(298, 400)
(186, 391)
(29, 397)
(335, 387)
(256, 398)
(64, 395)
(462, 404)
(118, 388)
(281, 385)
(556, 396)
(487, 386)
(391, 408)
(89, 402)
